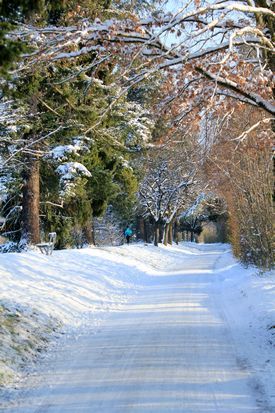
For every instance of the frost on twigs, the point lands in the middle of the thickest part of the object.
(107, 229)
(163, 191)
(196, 35)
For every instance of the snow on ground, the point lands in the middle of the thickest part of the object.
(78, 288)
(24, 333)
(74, 288)
(247, 298)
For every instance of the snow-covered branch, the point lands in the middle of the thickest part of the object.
(229, 84)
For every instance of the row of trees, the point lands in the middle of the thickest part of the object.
(55, 174)
(242, 173)
(170, 185)
(101, 81)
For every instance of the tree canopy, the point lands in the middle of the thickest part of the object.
(88, 88)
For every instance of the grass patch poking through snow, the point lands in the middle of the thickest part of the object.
(24, 333)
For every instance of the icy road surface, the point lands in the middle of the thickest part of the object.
(170, 349)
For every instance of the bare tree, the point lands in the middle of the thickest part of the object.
(166, 188)
(241, 170)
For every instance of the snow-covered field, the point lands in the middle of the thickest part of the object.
(89, 288)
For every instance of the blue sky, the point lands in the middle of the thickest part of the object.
(173, 5)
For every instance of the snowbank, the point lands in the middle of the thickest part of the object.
(70, 285)
(24, 333)
(247, 299)
(72, 288)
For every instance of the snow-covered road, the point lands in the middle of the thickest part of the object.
(172, 348)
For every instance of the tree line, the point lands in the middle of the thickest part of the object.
(131, 106)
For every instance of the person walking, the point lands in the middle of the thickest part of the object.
(128, 233)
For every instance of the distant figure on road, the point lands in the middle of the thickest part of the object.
(128, 233)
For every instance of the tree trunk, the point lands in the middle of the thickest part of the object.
(161, 232)
(156, 234)
(192, 236)
(31, 199)
(146, 231)
(170, 233)
(176, 232)
(89, 233)
(93, 232)
(165, 234)
(141, 228)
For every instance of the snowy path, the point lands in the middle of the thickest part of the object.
(169, 350)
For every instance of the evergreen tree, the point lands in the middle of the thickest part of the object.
(59, 128)
(62, 112)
